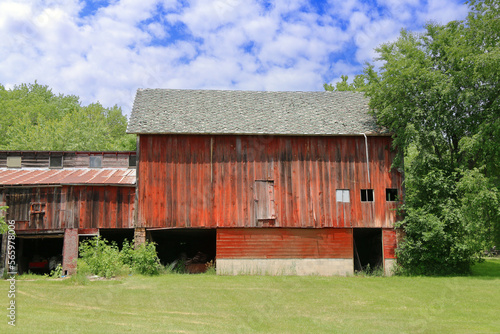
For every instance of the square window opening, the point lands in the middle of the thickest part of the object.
(37, 207)
(95, 162)
(13, 162)
(343, 196)
(391, 195)
(55, 161)
(132, 161)
(366, 195)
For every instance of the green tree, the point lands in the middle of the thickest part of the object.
(438, 92)
(34, 118)
(358, 84)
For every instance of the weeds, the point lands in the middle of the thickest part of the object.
(56, 272)
(210, 268)
(105, 259)
(368, 271)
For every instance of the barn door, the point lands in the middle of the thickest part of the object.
(264, 201)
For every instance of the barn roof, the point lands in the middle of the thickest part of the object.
(67, 176)
(175, 111)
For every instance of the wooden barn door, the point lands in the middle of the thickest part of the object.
(264, 202)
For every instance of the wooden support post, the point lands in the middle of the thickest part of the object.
(3, 256)
(70, 251)
(139, 236)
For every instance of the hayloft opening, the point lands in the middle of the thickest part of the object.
(367, 249)
(185, 249)
(39, 254)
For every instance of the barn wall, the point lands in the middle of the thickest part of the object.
(273, 243)
(277, 251)
(390, 243)
(210, 181)
(64, 207)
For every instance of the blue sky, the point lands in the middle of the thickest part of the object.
(105, 50)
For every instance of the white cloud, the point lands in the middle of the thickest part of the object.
(225, 44)
(443, 11)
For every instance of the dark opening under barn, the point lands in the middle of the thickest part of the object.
(39, 254)
(188, 248)
(117, 235)
(367, 244)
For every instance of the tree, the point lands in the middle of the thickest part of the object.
(438, 92)
(34, 118)
(358, 84)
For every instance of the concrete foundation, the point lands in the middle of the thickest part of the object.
(389, 266)
(299, 267)
(70, 251)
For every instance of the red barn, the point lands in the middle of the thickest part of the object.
(265, 182)
(56, 198)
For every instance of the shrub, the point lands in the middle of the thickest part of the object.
(99, 257)
(145, 260)
(103, 258)
(127, 253)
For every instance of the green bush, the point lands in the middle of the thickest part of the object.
(127, 253)
(447, 232)
(145, 260)
(99, 257)
(103, 258)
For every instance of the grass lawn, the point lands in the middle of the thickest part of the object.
(248, 304)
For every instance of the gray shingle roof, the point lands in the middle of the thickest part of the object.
(174, 111)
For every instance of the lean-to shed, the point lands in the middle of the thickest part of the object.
(55, 198)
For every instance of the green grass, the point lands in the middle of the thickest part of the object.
(248, 304)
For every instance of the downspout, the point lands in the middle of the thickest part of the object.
(212, 159)
(367, 158)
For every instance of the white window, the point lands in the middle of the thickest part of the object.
(14, 162)
(343, 195)
(95, 162)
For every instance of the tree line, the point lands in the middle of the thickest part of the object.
(438, 93)
(32, 117)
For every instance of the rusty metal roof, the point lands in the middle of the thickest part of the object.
(28, 177)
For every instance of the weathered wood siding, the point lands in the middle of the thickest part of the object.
(209, 181)
(63, 207)
(40, 159)
(284, 243)
(389, 240)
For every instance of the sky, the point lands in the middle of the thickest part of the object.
(105, 50)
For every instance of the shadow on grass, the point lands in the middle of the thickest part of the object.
(489, 269)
